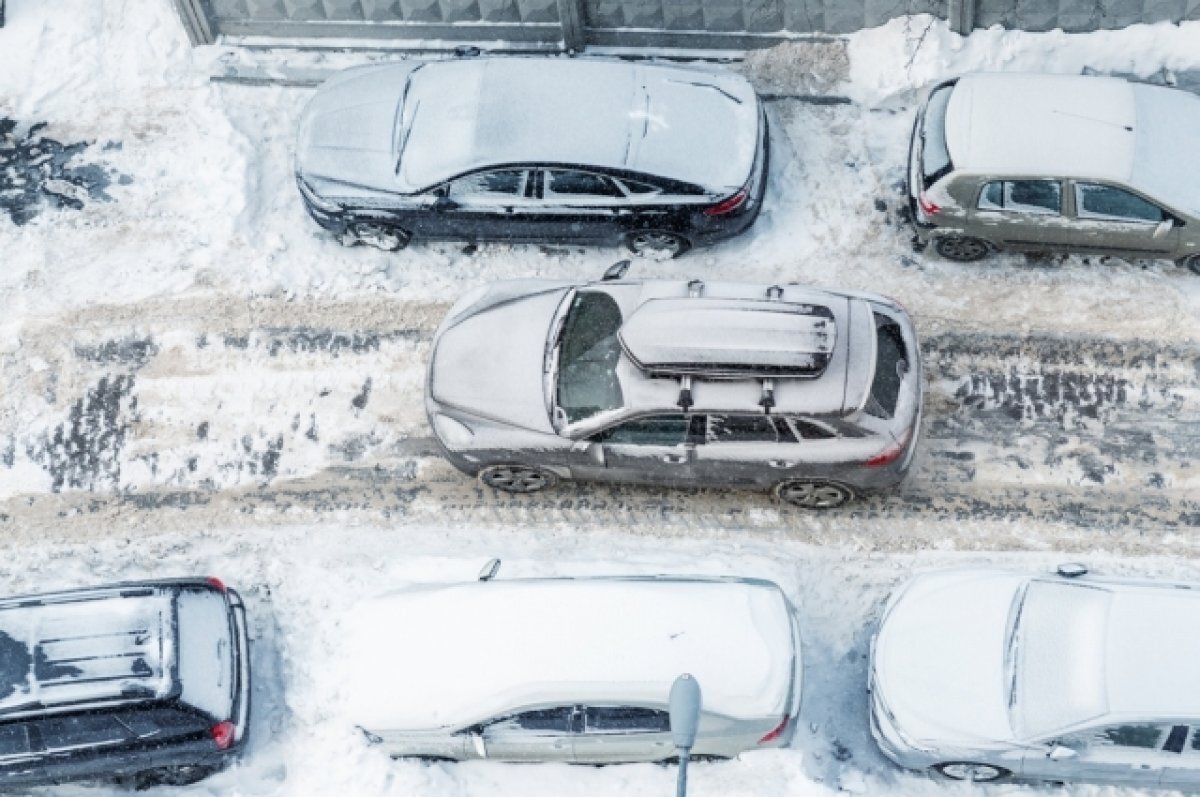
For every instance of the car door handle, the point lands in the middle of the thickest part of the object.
(674, 459)
(781, 463)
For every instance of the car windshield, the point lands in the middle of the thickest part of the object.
(1057, 650)
(588, 351)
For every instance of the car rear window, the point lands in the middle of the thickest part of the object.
(206, 652)
(935, 155)
(885, 387)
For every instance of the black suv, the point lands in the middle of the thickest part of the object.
(142, 682)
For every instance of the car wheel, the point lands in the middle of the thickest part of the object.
(813, 495)
(656, 244)
(1192, 262)
(962, 248)
(517, 478)
(967, 770)
(380, 236)
(172, 776)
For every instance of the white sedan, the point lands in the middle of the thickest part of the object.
(986, 674)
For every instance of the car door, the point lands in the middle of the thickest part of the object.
(1130, 753)
(750, 449)
(578, 205)
(1181, 770)
(650, 449)
(19, 761)
(1022, 215)
(1112, 219)
(489, 205)
(81, 745)
(620, 734)
(545, 734)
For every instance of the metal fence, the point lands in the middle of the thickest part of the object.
(701, 24)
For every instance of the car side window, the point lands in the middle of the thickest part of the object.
(500, 184)
(655, 430)
(14, 741)
(542, 720)
(812, 430)
(634, 188)
(1022, 196)
(577, 184)
(1106, 202)
(746, 429)
(80, 730)
(1143, 736)
(626, 719)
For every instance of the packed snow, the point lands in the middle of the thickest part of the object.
(199, 380)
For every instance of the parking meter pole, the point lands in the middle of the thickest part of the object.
(684, 710)
(681, 782)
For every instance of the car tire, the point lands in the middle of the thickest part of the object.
(808, 494)
(971, 771)
(380, 236)
(962, 248)
(517, 478)
(1191, 262)
(172, 776)
(656, 244)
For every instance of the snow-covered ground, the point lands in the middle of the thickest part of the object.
(197, 379)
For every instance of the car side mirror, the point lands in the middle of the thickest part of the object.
(1060, 753)
(615, 271)
(1164, 227)
(444, 203)
(479, 745)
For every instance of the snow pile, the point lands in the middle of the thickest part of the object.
(912, 52)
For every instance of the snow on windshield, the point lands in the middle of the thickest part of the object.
(1061, 652)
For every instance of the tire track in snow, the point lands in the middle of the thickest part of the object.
(1091, 433)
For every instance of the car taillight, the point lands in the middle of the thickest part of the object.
(728, 204)
(891, 453)
(216, 583)
(223, 733)
(777, 731)
(927, 207)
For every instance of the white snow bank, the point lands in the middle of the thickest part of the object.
(911, 52)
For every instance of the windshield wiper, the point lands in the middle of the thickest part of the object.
(1011, 647)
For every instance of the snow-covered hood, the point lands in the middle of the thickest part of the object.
(489, 361)
(939, 657)
(348, 130)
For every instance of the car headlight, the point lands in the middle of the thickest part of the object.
(454, 434)
(316, 200)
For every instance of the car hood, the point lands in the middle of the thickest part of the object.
(348, 130)
(939, 657)
(488, 360)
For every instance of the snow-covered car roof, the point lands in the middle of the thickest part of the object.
(453, 655)
(85, 647)
(674, 122)
(1103, 128)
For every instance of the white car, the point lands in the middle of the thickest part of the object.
(572, 669)
(986, 674)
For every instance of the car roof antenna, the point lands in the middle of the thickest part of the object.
(489, 570)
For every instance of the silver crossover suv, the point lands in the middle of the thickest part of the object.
(1057, 163)
(814, 394)
(572, 669)
(985, 674)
